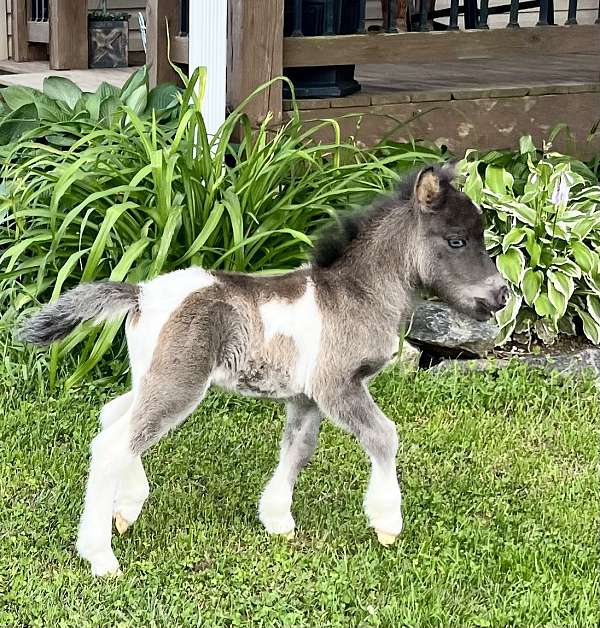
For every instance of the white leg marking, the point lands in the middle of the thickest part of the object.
(110, 456)
(132, 492)
(115, 409)
(383, 502)
(276, 502)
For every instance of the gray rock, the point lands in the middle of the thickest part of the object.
(441, 331)
(586, 361)
(409, 356)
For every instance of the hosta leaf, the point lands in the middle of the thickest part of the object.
(512, 265)
(569, 268)
(514, 236)
(546, 331)
(591, 327)
(61, 88)
(547, 257)
(523, 212)
(583, 256)
(557, 230)
(593, 303)
(508, 314)
(473, 186)
(534, 248)
(138, 99)
(558, 300)
(138, 79)
(562, 282)
(15, 96)
(498, 180)
(543, 306)
(526, 145)
(584, 226)
(531, 285)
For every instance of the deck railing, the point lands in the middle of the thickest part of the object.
(259, 50)
(50, 29)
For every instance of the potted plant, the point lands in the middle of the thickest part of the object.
(108, 37)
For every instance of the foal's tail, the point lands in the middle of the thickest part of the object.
(90, 301)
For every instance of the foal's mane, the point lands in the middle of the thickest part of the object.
(335, 239)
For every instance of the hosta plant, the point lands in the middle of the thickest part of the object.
(62, 112)
(543, 228)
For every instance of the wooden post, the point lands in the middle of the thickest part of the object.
(157, 11)
(255, 55)
(3, 31)
(20, 46)
(68, 34)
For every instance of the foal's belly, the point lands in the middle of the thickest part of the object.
(270, 370)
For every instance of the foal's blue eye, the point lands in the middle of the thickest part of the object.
(456, 243)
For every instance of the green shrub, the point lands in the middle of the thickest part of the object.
(543, 214)
(141, 198)
(61, 113)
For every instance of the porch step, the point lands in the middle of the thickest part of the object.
(33, 73)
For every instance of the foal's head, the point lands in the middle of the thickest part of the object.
(451, 258)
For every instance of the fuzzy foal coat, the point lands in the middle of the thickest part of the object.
(312, 337)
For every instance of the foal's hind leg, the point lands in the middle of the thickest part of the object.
(298, 444)
(352, 407)
(132, 487)
(173, 386)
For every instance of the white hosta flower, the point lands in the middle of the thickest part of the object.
(560, 196)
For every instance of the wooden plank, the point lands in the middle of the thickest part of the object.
(3, 31)
(484, 123)
(158, 13)
(68, 35)
(447, 46)
(38, 32)
(87, 80)
(255, 54)
(20, 47)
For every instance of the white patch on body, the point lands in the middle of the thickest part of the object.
(159, 298)
(302, 322)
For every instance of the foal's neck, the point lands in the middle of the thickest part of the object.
(379, 270)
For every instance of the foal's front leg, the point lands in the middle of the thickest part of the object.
(352, 407)
(297, 446)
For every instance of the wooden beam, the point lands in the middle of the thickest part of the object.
(3, 31)
(68, 34)
(158, 13)
(255, 55)
(436, 46)
(487, 123)
(20, 47)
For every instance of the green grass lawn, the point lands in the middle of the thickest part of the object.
(499, 475)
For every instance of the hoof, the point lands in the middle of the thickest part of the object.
(121, 524)
(289, 535)
(385, 538)
(105, 564)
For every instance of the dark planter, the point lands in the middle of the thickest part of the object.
(322, 17)
(108, 44)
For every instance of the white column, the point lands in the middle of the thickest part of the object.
(208, 48)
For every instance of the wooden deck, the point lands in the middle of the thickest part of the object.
(33, 73)
(483, 103)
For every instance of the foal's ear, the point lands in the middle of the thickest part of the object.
(428, 188)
